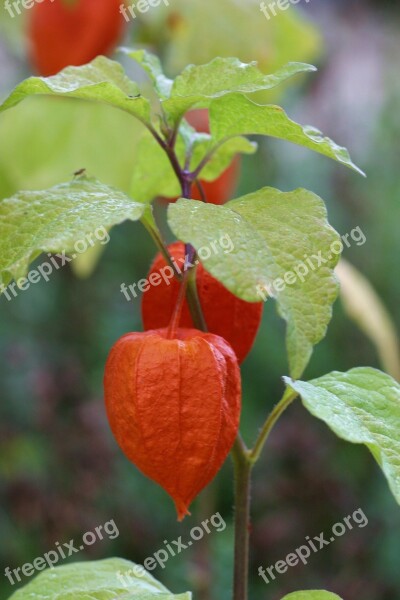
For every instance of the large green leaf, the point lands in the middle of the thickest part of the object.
(199, 84)
(238, 115)
(54, 220)
(312, 595)
(110, 579)
(362, 407)
(102, 80)
(272, 233)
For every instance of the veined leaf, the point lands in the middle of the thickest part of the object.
(362, 407)
(283, 247)
(198, 85)
(110, 579)
(54, 220)
(238, 115)
(102, 80)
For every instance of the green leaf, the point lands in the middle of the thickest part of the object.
(102, 80)
(54, 220)
(152, 65)
(225, 75)
(237, 115)
(273, 234)
(312, 595)
(198, 85)
(362, 407)
(109, 579)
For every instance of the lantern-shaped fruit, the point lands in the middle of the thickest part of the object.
(173, 404)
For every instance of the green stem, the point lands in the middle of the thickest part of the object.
(176, 316)
(243, 459)
(194, 302)
(279, 409)
(150, 224)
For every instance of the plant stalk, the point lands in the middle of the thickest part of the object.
(176, 315)
(242, 457)
(277, 412)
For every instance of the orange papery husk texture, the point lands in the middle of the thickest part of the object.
(226, 315)
(174, 407)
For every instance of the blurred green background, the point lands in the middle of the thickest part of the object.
(61, 472)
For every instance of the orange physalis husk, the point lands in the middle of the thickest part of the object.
(174, 407)
(226, 315)
(62, 33)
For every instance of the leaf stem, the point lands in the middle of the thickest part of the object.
(194, 302)
(154, 232)
(200, 187)
(244, 461)
(176, 315)
(279, 409)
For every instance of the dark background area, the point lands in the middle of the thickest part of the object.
(61, 472)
